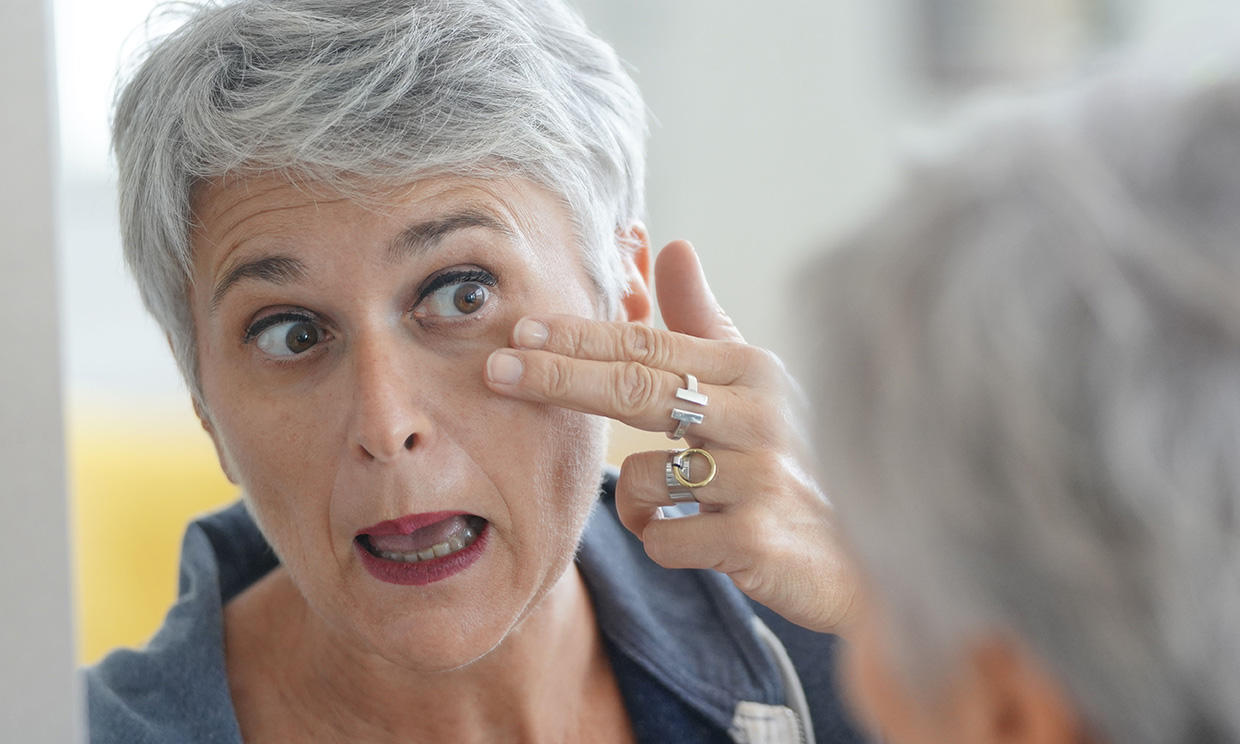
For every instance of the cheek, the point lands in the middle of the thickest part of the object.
(285, 456)
(569, 476)
(546, 463)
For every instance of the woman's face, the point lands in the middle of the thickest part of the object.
(342, 350)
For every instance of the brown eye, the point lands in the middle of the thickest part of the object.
(301, 337)
(293, 336)
(456, 295)
(469, 297)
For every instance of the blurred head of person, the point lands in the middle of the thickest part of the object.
(1027, 371)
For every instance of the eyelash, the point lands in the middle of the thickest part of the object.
(263, 324)
(479, 276)
(459, 276)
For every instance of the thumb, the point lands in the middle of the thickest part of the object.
(685, 300)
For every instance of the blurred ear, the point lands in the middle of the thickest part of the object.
(636, 305)
(1007, 697)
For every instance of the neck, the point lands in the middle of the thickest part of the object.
(535, 686)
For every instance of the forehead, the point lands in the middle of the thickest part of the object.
(234, 209)
(268, 227)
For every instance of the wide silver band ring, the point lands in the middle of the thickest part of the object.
(677, 493)
(683, 418)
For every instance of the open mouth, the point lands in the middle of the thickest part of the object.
(438, 540)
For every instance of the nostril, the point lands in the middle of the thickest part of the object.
(409, 442)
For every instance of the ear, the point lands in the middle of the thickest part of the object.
(205, 419)
(1008, 697)
(636, 305)
(209, 428)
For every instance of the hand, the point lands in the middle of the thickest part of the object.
(763, 521)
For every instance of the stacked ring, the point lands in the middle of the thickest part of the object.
(679, 486)
(680, 467)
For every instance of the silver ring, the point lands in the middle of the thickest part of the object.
(676, 492)
(683, 418)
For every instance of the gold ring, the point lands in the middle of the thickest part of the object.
(680, 461)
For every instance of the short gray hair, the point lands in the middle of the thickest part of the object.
(1028, 386)
(376, 92)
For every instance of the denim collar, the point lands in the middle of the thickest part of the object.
(692, 630)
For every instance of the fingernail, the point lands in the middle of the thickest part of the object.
(504, 368)
(530, 334)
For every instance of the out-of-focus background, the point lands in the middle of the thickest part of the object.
(776, 125)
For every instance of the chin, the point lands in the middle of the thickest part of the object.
(452, 632)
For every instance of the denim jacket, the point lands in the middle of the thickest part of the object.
(694, 659)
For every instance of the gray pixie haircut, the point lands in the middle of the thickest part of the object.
(366, 94)
(1027, 372)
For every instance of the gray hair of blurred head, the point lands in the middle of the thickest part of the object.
(364, 95)
(1027, 378)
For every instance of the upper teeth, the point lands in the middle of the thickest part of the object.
(453, 544)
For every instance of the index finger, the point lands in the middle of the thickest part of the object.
(713, 362)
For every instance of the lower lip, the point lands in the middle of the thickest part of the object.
(423, 572)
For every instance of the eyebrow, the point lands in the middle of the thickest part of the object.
(425, 235)
(274, 269)
(412, 240)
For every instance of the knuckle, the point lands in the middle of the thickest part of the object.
(559, 379)
(573, 335)
(737, 357)
(640, 343)
(634, 388)
(764, 363)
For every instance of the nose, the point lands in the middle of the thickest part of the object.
(388, 419)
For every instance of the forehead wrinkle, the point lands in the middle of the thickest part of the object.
(275, 269)
(268, 210)
(422, 236)
(232, 196)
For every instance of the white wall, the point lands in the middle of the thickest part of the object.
(780, 123)
(37, 685)
(776, 123)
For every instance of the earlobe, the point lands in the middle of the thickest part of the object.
(636, 306)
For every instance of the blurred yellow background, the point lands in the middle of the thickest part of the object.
(136, 479)
(139, 475)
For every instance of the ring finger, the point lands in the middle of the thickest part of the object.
(643, 488)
